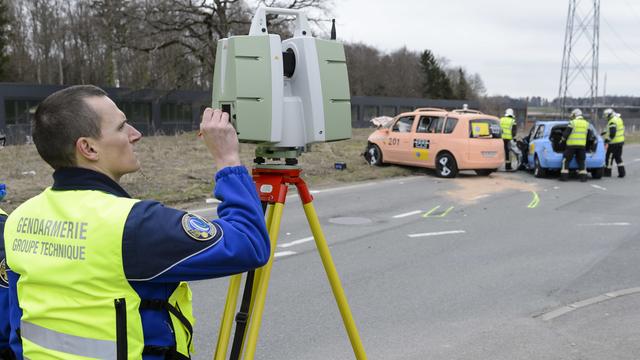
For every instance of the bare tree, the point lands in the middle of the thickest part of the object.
(402, 74)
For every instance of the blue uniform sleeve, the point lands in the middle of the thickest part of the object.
(160, 245)
(5, 329)
(15, 314)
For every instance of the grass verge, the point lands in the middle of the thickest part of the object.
(178, 170)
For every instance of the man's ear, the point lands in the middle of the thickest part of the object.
(86, 149)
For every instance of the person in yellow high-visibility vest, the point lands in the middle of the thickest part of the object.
(96, 274)
(575, 137)
(509, 128)
(614, 137)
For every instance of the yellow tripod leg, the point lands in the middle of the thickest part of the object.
(334, 280)
(260, 294)
(226, 324)
(259, 272)
(227, 318)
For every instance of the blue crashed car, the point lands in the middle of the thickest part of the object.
(544, 149)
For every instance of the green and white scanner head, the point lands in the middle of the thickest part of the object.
(283, 94)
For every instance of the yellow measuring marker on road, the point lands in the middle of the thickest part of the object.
(433, 213)
(535, 201)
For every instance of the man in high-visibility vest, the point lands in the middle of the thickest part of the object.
(5, 351)
(614, 137)
(509, 129)
(575, 137)
(95, 274)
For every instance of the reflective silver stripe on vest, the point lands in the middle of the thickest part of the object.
(70, 344)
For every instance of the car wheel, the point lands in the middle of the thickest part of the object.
(373, 155)
(485, 172)
(446, 166)
(597, 173)
(538, 170)
(516, 162)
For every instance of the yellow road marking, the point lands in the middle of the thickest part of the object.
(446, 212)
(428, 214)
(535, 201)
(430, 211)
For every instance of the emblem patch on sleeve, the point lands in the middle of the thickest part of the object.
(198, 227)
(4, 278)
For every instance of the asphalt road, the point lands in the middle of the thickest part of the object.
(505, 267)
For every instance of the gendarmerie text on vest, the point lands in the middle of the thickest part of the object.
(56, 229)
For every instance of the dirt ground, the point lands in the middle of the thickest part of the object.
(473, 188)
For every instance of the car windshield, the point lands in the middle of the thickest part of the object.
(403, 124)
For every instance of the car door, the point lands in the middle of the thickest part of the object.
(535, 141)
(399, 141)
(421, 153)
(484, 141)
(434, 137)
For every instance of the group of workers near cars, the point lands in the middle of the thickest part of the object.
(87, 271)
(575, 138)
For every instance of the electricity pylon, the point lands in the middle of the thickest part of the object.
(580, 56)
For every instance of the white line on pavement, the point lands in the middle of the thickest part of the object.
(284, 253)
(481, 197)
(608, 224)
(296, 242)
(636, 160)
(438, 233)
(342, 188)
(407, 214)
(599, 187)
(202, 210)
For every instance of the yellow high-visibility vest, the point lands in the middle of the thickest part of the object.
(578, 136)
(506, 123)
(76, 300)
(619, 125)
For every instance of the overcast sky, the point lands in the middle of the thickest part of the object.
(515, 45)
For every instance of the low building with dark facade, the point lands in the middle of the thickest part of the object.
(166, 112)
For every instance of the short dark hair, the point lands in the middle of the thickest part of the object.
(61, 119)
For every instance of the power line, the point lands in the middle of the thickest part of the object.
(633, 10)
(617, 35)
(629, 66)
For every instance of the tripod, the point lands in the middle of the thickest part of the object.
(272, 183)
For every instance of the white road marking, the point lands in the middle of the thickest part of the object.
(343, 188)
(636, 160)
(196, 211)
(296, 242)
(608, 224)
(284, 253)
(437, 233)
(407, 214)
(481, 197)
(599, 187)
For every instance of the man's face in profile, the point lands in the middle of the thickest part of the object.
(115, 145)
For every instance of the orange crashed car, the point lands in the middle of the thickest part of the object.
(447, 141)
